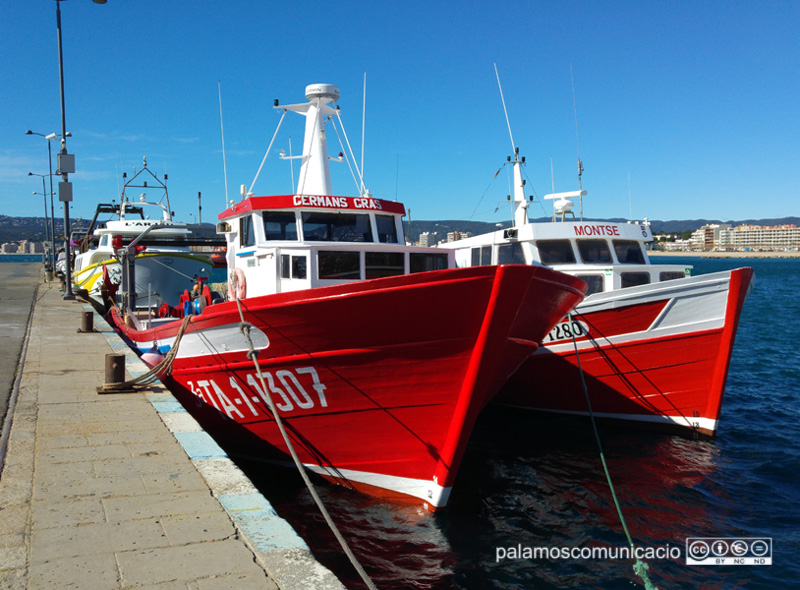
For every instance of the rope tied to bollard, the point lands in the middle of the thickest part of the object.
(155, 373)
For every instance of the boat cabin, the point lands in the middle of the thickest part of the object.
(293, 242)
(608, 256)
(311, 238)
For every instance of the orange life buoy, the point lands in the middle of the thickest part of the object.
(237, 279)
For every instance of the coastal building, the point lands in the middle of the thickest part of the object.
(22, 247)
(27, 247)
(454, 236)
(428, 239)
(760, 237)
(708, 236)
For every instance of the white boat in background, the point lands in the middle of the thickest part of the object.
(165, 264)
(654, 342)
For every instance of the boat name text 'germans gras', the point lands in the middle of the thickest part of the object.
(596, 230)
(336, 202)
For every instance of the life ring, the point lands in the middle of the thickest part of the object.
(237, 278)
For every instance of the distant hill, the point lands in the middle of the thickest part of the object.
(14, 229)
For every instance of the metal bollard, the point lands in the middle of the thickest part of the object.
(115, 368)
(87, 321)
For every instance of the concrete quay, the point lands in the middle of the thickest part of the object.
(123, 491)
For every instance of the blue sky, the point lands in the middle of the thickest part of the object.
(697, 101)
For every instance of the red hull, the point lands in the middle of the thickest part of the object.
(378, 382)
(673, 379)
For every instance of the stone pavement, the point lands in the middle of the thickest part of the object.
(123, 491)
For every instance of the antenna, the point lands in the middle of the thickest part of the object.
(396, 175)
(630, 202)
(291, 162)
(502, 98)
(577, 139)
(363, 127)
(222, 130)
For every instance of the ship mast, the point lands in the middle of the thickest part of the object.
(520, 202)
(315, 174)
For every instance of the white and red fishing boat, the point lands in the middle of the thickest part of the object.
(165, 263)
(378, 355)
(654, 343)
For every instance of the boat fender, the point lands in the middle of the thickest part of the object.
(237, 278)
(152, 357)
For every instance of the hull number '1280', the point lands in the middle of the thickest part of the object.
(238, 396)
(566, 330)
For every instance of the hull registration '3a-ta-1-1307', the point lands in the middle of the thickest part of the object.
(377, 356)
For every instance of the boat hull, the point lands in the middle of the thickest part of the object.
(378, 382)
(656, 355)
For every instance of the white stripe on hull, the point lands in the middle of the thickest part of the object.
(695, 304)
(208, 341)
(706, 424)
(429, 491)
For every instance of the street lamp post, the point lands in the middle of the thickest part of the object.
(66, 165)
(66, 162)
(49, 138)
(47, 266)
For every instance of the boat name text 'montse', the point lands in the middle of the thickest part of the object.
(596, 230)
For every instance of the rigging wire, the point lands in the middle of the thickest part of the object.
(269, 147)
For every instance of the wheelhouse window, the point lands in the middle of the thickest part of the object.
(387, 230)
(594, 251)
(628, 251)
(670, 275)
(293, 267)
(595, 283)
(280, 225)
(481, 256)
(510, 254)
(383, 264)
(476, 256)
(555, 252)
(320, 226)
(247, 236)
(338, 265)
(634, 279)
(419, 262)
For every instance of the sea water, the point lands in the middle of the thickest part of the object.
(534, 481)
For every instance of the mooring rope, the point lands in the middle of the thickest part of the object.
(158, 371)
(252, 354)
(640, 568)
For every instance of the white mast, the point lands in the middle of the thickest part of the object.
(315, 174)
(520, 202)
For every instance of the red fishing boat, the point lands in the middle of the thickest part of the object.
(378, 356)
(654, 343)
